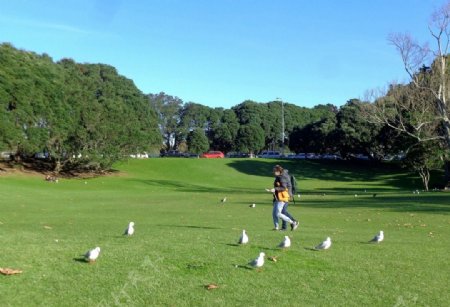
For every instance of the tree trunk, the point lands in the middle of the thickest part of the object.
(57, 168)
(425, 175)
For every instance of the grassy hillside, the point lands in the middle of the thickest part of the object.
(186, 238)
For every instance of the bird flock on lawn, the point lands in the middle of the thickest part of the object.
(257, 263)
(286, 243)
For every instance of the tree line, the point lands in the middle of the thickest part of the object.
(87, 116)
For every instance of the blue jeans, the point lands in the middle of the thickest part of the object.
(277, 213)
(286, 213)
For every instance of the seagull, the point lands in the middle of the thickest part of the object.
(258, 262)
(92, 255)
(325, 244)
(244, 238)
(286, 242)
(130, 229)
(379, 237)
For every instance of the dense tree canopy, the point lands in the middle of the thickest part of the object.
(77, 115)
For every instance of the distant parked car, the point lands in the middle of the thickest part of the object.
(270, 154)
(312, 156)
(237, 155)
(173, 153)
(137, 156)
(297, 156)
(192, 155)
(361, 157)
(6, 155)
(212, 154)
(331, 157)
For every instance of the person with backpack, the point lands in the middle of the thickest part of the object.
(292, 187)
(281, 195)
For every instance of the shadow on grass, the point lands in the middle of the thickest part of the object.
(345, 171)
(310, 249)
(80, 259)
(189, 187)
(190, 226)
(234, 244)
(240, 266)
(431, 203)
(259, 247)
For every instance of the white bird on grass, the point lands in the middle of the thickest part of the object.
(130, 229)
(92, 255)
(325, 244)
(258, 262)
(286, 242)
(379, 237)
(244, 238)
(224, 200)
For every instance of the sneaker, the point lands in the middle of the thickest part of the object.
(294, 225)
(283, 229)
(275, 229)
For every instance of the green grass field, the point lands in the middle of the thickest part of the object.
(186, 238)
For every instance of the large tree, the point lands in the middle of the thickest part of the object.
(197, 141)
(223, 134)
(353, 134)
(78, 115)
(168, 109)
(250, 138)
(421, 108)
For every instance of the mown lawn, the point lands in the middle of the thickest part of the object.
(186, 238)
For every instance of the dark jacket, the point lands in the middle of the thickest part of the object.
(281, 184)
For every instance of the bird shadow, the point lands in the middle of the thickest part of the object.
(80, 259)
(311, 249)
(190, 226)
(240, 266)
(267, 248)
(234, 244)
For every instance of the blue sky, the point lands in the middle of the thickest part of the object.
(221, 52)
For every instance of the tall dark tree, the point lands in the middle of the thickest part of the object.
(314, 137)
(353, 134)
(223, 137)
(197, 141)
(250, 138)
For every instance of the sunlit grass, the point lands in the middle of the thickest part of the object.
(186, 238)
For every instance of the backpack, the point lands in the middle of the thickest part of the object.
(293, 184)
(293, 187)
